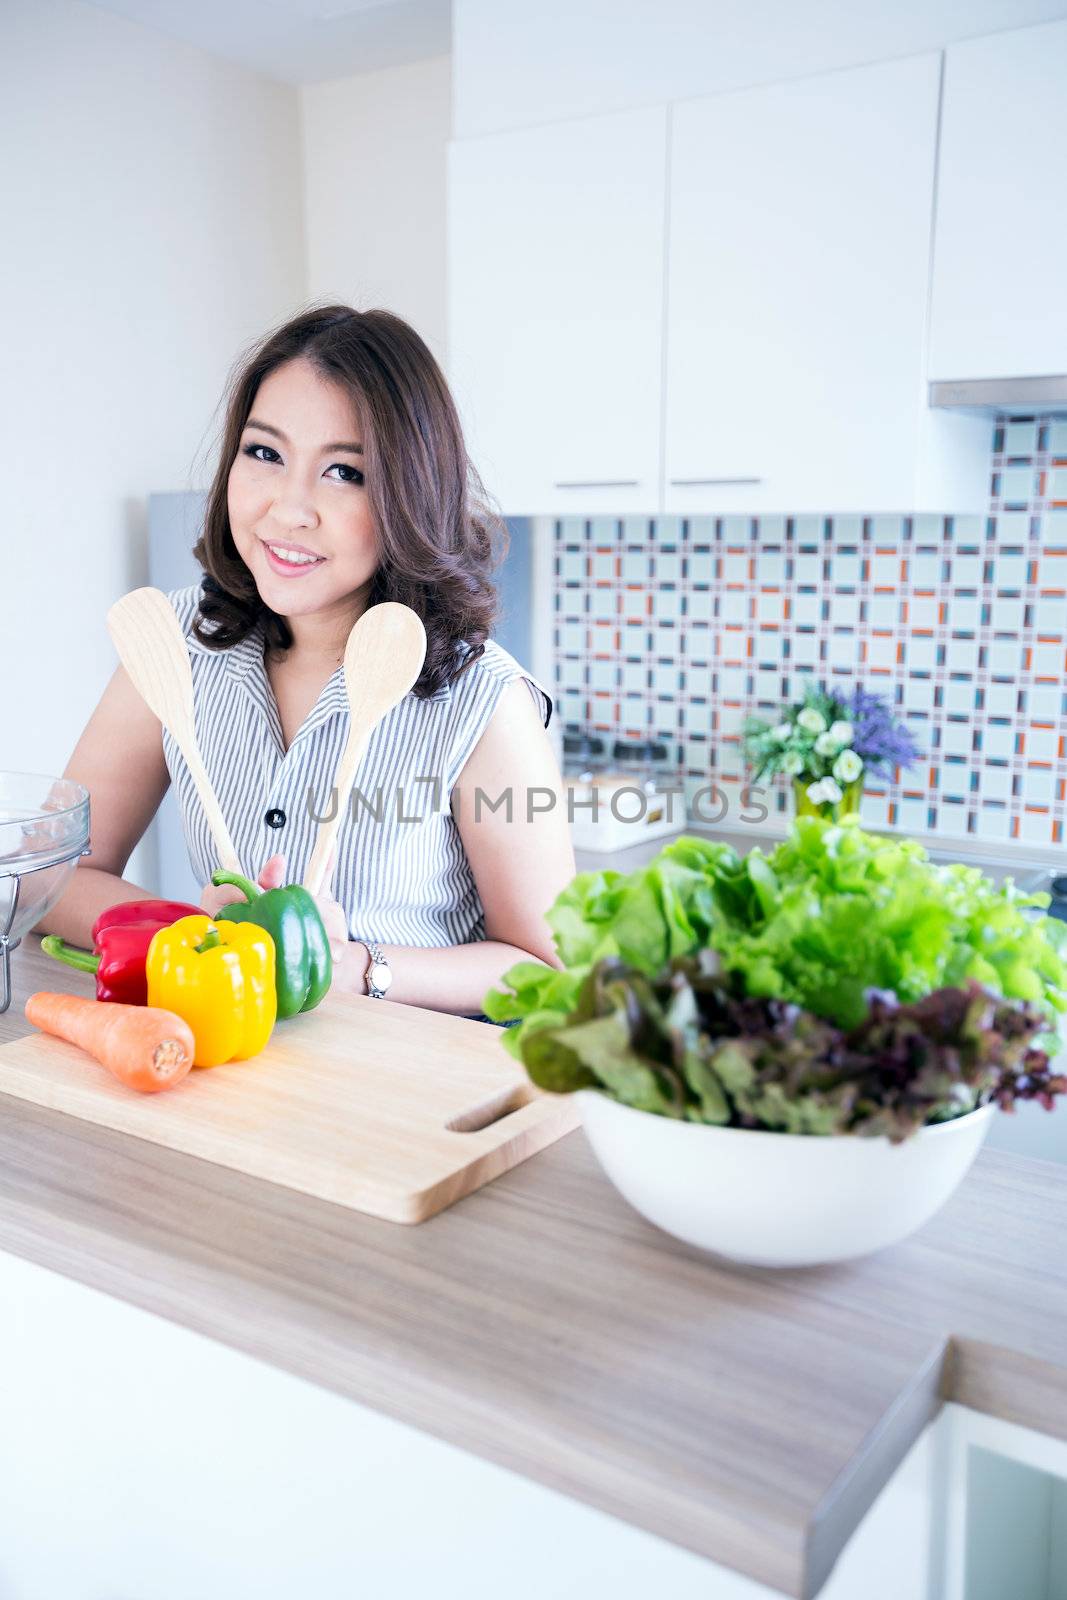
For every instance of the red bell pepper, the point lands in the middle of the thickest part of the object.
(121, 936)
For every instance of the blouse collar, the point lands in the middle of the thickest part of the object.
(244, 663)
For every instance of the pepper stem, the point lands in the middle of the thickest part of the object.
(84, 960)
(210, 941)
(249, 889)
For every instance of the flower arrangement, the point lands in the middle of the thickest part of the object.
(827, 745)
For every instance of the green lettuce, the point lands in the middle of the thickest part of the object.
(646, 918)
(829, 915)
(845, 911)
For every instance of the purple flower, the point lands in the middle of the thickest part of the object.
(877, 737)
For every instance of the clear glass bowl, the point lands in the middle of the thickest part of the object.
(44, 829)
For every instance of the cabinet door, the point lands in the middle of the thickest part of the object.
(556, 240)
(1000, 259)
(800, 220)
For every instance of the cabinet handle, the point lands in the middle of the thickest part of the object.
(701, 483)
(604, 483)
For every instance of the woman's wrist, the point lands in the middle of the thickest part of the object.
(350, 973)
(452, 979)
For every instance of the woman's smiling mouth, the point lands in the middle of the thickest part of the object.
(291, 560)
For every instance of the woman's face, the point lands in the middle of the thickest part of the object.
(296, 488)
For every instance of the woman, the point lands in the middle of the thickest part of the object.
(343, 481)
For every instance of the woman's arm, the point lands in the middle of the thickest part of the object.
(519, 864)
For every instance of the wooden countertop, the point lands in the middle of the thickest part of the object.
(750, 1416)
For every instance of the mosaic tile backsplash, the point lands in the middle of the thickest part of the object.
(678, 628)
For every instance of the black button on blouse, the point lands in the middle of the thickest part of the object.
(275, 818)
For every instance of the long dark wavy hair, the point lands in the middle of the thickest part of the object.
(438, 540)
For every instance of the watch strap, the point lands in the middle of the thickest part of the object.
(378, 980)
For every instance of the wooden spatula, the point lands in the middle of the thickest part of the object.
(148, 638)
(383, 659)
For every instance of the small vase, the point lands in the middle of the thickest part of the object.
(832, 810)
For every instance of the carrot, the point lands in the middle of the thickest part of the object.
(145, 1047)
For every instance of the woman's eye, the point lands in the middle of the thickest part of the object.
(252, 450)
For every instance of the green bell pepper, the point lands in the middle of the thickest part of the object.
(304, 964)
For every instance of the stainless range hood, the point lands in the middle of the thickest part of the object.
(1048, 394)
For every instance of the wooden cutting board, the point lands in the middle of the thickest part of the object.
(385, 1108)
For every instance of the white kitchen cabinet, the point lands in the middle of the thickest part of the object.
(998, 1510)
(556, 241)
(141, 1458)
(799, 263)
(999, 308)
(180, 1466)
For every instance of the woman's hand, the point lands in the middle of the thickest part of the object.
(272, 876)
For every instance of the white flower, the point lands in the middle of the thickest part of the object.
(848, 767)
(792, 763)
(783, 732)
(826, 745)
(841, 733)
(824, 791)
(811, 721)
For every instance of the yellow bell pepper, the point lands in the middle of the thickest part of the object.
(219, 977)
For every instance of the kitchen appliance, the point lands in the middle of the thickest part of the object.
(1047, 394)
(1051, 881)
(382, 1108)
(583, 754)
(44, 828)
(626, 801)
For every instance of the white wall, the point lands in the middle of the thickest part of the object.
(374, 172)
(517, 63)
(152, 221)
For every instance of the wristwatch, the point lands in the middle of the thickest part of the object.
(379, 974)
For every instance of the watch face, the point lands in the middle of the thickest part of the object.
(380, 976)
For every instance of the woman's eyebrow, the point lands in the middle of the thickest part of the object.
(265, 427)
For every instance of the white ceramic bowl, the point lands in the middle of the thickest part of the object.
(779, 1199)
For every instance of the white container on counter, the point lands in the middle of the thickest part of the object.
(779, 1199)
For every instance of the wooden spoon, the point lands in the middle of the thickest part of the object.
(383, 659)
(151, 647)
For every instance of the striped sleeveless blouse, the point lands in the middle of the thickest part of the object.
(402, 875)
